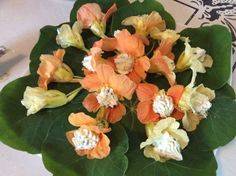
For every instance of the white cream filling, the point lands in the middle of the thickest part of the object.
(200, 104)
(166, 146)
(107, 97)
(124, 63)
(84, 139)
(163, 105)
(116, 32)
(87, 63)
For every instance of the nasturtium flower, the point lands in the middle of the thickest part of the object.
(67, 36)
(168, 34)
(52, 69)
(93, 59)
(155, 104)
(89, 139)
(90, 16)
(130, 59)
(195, 102)
(165, 140)
(107, 89)
(146, 24)
(36, 98)
(194, 58)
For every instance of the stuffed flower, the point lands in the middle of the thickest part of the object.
(155, 104)
(89, 139)
(52, 69)
(130, 59)
(107, 89)
(90, 16)
(194, 58)
(195, 102)
(165, 141)
(68, 36)
(36, 98)
(162, 61)
(91, 61)
(146, 24)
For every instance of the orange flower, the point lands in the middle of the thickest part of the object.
(94, 58)
(90, 16)
(155, 104)
(107, 89)
(89, 139)
(52, 69)
(162, 61)
(130, 59)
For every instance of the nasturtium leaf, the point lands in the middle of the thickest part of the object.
(219, 127)
(139, 9)
(194, 162)
(216, 40)
(61, 159)
(27, 133)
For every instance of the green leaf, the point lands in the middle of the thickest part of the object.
(60, 158)
(27, 133)
(216, 40)
(195, 162)
(139, 9)
(219, 127)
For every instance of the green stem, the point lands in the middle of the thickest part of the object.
(71, 95)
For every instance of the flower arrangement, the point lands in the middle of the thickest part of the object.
(120, 92)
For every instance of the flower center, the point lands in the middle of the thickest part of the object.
(167, 147)
(87, 63)
(200, 104)
(124, 63)
(163, 105)
(84, 139)
(107, 97)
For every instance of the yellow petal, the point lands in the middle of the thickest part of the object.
(190, 121)
(167, 34)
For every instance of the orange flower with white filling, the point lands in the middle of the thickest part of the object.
(90, 16)
(107, 88)
(89, 139)
(52, 69)
(155, 104)
(130, 59)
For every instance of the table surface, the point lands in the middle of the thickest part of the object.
(20, 22)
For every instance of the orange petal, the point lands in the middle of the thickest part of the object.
(130, 44)
(178, 115)
(176, 92)
(145, 112)
(91, 82)
(80, 119)
(109, 12)
(104, 72)
(146, 91)
(141, 66)
(102, 149)
(134, 77)
(90, 103)
(116, 113)
(69, 136)
(166, 48)
(122, 85)
(88, 13)
(106, 44)
(59, 54)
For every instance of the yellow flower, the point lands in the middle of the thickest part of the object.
(195, 102)
(68, 36)
(165, 140)
(36, 98)
(146, 24)
(166, 35)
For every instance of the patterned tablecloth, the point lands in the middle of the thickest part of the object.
(21, 32)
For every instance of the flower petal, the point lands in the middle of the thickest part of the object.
(104, 72)
(116, 113)
(59, 54)
(141, 66)
(91, 82)
(175, 92)
(80, 119)
(145, 112)
(146, 91)
(90, 103)
(106, 44)
(109, 12)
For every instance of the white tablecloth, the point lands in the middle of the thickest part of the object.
(20, 21)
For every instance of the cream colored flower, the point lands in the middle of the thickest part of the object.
(68, 36)
(167, 34)
(165, 140)
(195, 102)
(36, 98)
